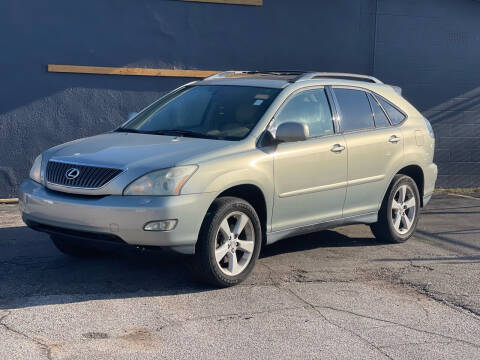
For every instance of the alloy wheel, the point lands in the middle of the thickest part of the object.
(235, 242)
(404, 209)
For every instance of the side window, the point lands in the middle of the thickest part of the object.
(379, 116)
(396, 117)
(309, 107)
(355, 109)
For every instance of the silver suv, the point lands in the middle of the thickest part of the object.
(221, 167)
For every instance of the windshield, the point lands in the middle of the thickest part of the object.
(211, 111)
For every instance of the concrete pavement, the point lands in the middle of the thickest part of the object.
(329, 295)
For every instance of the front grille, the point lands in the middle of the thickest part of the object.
(90, 177)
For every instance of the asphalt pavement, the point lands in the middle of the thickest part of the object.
(337, 294)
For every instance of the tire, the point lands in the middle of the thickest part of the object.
(217, 237)
(397, 219)
(72, 248)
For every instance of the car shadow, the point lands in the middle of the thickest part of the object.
(323, 239)
(33, 272)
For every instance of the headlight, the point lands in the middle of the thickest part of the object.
(35, 171)
(161, 182)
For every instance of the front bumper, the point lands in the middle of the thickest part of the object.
(121, 216)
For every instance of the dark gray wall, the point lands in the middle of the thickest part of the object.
(430, 48)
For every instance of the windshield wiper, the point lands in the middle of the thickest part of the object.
(181, 132)
(176, 132)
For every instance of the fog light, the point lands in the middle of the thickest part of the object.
(161, 225)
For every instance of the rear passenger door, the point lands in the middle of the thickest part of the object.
(374, 149)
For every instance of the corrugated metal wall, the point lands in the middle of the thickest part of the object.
(430, 48)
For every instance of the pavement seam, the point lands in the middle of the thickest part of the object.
(311, 306)
(276, 284)
(432, 294)
(370, 344)
(396, 279)
(463, 309)
(45, 347)
(399, 324)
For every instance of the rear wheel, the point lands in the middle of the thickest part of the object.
(399, 213)
(74, 248)
(229, 242)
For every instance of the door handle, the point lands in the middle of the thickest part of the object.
(394, 139)
(337, 148)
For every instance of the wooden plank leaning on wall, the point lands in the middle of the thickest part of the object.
(233, 2)
(104, 70)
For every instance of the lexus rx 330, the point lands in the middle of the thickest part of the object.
(221, 167)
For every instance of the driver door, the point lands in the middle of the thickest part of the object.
(310, 175)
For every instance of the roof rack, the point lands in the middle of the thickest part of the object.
(319, 75)
(225, 74)
(232, 73)
(299, 75)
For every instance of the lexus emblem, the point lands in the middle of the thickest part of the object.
(72, 173)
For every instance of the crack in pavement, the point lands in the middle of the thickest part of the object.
(423, 267)
(395, 278)
(369, 343)
(399, 324)
(240, 314)
(45, 347)
(415, 343)
(311, 306)
(464, 309)
(415, 288)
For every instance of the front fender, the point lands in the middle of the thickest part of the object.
(251, 168)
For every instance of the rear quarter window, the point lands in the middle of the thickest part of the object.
(379, 116)
(395, 115)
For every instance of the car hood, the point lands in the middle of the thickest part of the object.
(134, 151)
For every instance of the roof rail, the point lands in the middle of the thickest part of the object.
(318, 75)
(232, 73)
(225, 74)
(299, 75)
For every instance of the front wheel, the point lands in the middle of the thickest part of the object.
(229, 242)
(400, 210)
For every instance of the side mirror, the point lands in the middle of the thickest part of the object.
(292, 131)
(131, 115)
